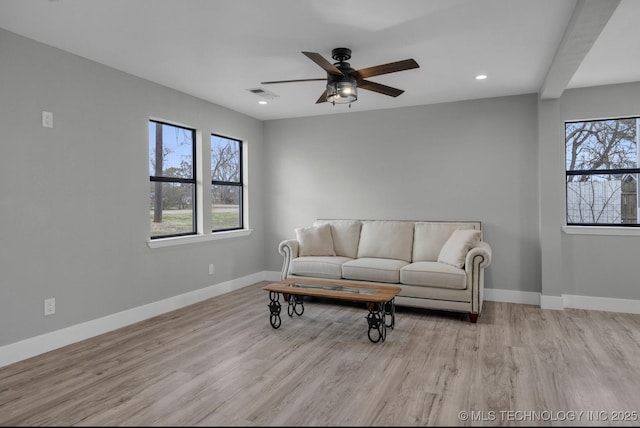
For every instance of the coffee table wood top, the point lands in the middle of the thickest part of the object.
(340, 290)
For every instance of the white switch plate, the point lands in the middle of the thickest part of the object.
(211, 269)
(47, 119)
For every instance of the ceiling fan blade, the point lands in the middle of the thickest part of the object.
(323, 98)
(377, 87)
(326, 65)
(290, 81)
(392, 67)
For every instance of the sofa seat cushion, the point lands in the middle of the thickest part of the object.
(373, 269)
(434, 274)
(320, 266)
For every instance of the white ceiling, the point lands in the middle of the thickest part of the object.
(218, 49)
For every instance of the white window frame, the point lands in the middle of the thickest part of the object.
(204, 231)
(595, 229)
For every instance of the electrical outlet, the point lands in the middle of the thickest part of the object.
(50, 306)
(211, 269)
(47, 119)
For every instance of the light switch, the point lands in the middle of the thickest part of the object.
(47, 119)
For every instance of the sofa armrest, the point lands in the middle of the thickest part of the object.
(289, 250)
(481, 250)
(478, 258)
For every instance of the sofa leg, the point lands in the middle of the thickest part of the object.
(473, 318)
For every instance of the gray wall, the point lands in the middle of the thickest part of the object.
(74, 199)
(591, 265)
(75, 209)
(471, 160)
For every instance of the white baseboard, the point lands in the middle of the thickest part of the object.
(33, 346)
(552, 302)
(544, 301)
(47, 342)
(511, 296)
(271, 275)
(602, 304)
(565, 301)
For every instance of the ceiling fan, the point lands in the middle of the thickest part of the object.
(343, 81)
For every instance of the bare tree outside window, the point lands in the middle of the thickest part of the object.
(172, 176)
(602, 160)
(226, 183)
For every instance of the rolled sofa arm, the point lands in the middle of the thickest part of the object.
(289, 250)
(478, 258)
(483, 251)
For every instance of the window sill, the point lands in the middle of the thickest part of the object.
(194, 239)
(600, 230)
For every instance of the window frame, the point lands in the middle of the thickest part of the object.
(614, 171)
(239, 184)
(192, 180)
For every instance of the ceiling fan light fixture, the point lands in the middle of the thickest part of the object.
(344, 91)
(342, 81)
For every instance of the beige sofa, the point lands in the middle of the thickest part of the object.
(438, 265)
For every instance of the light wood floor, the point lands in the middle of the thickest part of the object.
(219, 362)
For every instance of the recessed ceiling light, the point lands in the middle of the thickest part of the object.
(262, 102)
(481, 76)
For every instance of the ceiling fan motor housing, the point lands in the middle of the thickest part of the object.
(341, 54)
(342, 81)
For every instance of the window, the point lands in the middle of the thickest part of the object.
(602, 171)
(172, 159)
(226, 184)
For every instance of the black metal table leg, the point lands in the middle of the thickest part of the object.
(390, 311)
(274, 308)
(377, 327)
(296, 305)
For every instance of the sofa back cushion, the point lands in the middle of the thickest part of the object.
(429, 238)
(346, 236)
(386, 239)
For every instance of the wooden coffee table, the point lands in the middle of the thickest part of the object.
(378, 299)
